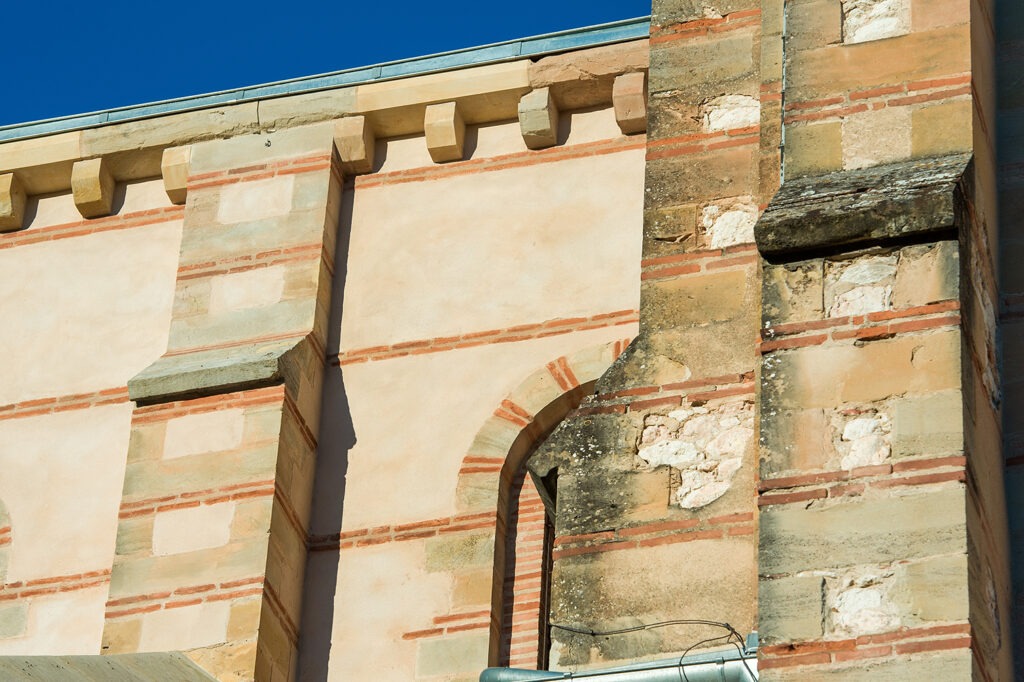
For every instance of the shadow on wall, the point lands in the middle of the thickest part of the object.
(336, 439)
(1009, 23)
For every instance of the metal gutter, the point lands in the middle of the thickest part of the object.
(717, 666)
(536, 46)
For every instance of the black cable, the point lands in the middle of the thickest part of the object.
(740, 643)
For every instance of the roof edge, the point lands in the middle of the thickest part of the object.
(523, 48)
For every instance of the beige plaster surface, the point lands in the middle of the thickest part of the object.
(409, 447)
(367, 633)
(249, 289)
(193, 434)
(517, 246)
(187, 530)
(256, 200)
(130, 197)
(187, 627)
(85, 313)
(69, 623)
(78, 459)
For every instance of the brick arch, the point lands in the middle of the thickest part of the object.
(492, 480)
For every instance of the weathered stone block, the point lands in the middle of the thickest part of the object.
(452, 654)
(93, 187)
(256, 200)
(191, 529)
(792, 292)
(932, 590)
(862, 531)
(927, 274)
(445, 132)
(929, 425)
(866, 20)
(815, 23)
(12, 203)
(355, 141)
(815, 148)
(538, 119)
(942, 128)
(174, 167)
(629, 98)
(877, 137)
(790, 609)
(446, 553)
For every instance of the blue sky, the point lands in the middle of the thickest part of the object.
(74, 57)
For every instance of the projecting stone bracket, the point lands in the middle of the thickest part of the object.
(629, 98)
(174, 169)
(92, 186)
(856, 208)
(445, 131)
(355, 141)
(538, 119)
(12, 203)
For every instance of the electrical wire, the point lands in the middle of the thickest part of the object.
(739, 643)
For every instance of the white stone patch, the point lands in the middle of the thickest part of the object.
(729, 112)
(187, 530)
(249, 289)
(865, 20)
(727, 226)
(186, 627)
(865, 441)
(257, 200)
(861, 605)
(860, 286)
(705, 445)
(195, 434)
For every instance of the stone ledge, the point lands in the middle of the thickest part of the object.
(850, 209)
(171, 665)
(208, 372)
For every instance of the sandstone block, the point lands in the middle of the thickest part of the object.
(445, 132)
(815, 23)
(942, 128)
(12, 203)
(249, 289)
(355, 141)
(930, 425)
(813, 149)
(877, 137)
(790, 609)
(453, 654)
(729, 112)
(862, 530)
(93, 187)
(792, 292)
(629, 98)
(121, 636)
(927, 274)
(932, 590)
(174, 168)
(446, 553)
(538, 119)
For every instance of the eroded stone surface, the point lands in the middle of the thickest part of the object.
(865, 20)
(859, 286)
(729, 112)
(705, 445)
(727, 225)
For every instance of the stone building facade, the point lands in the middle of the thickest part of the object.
(572, 352)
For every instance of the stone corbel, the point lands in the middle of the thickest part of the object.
(174, 168)
(445, 132)
(538, 119)
(355, 141)
(92, 186)
(12, 203)
(629, 97)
